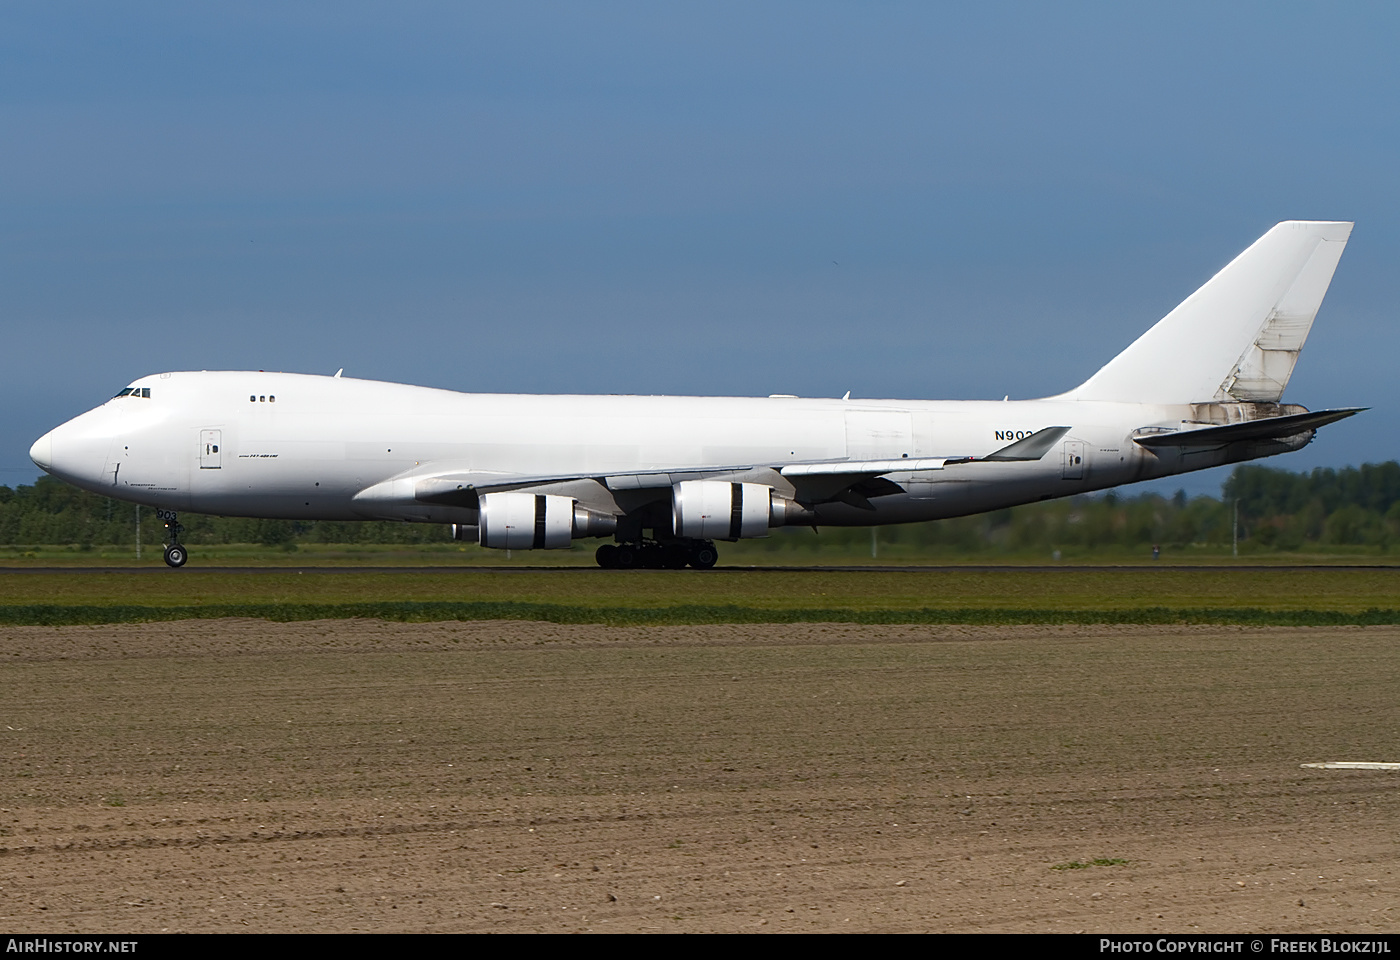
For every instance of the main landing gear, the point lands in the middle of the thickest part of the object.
(658, 555)
(175, 552)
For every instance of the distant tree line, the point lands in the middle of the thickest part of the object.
(53, 512)
(1355, 506)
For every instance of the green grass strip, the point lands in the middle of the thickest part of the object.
(39, 614)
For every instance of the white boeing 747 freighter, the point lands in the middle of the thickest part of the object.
(665, 477)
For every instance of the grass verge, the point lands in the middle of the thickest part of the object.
(43, 614)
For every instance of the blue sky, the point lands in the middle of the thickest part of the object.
(901, 200)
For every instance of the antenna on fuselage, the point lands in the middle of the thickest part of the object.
(338, 373)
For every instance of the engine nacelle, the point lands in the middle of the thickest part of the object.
(718, 510)
(534, 521)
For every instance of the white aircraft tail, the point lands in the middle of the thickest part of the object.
(1238, 337)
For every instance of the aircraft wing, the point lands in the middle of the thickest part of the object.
(856, 481)
(850, 481)
(1269, 428)
(1033, 447)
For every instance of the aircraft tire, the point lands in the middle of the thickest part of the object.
(625, 558)
(176, 555)
(704, 556)
(606, 556)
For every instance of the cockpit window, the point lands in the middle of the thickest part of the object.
(134, 392)
(123, 393)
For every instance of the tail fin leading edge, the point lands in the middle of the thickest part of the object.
(1238, 337)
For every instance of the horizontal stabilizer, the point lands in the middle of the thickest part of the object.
(1267, 429)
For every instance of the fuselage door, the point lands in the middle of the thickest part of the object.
(1073, 460)
(209, 443)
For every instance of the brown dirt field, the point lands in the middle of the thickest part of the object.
(338, 776)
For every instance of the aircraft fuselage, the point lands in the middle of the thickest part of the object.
(295, 446)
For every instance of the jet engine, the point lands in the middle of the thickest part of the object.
(533, 521)
(718, 510)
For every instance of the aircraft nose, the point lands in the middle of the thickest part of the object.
(77, 450)
(42, 451)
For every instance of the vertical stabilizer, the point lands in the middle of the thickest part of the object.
(1238, 337)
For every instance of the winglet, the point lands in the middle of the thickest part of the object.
(1033, 447)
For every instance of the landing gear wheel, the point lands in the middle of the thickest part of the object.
(175, 554)
(704, 556)
(650, 555)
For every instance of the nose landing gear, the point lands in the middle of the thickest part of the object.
(175, 553)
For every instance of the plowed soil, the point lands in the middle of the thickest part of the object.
(357, 775)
